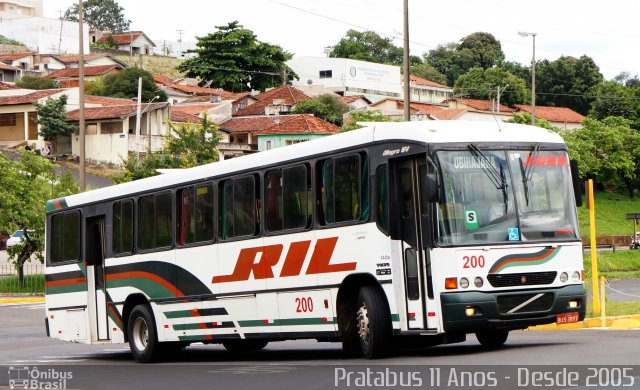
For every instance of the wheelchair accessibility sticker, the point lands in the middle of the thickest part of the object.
(514, 234)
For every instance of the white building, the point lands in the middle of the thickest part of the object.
(348, 77)
(45, 35)
(20, 8)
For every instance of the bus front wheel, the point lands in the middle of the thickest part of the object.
(492, 338)
(143, 339)
(373, 323)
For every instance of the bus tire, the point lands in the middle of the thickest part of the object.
(492, 338)
(244, 345)
(373, 323)
(143, 337)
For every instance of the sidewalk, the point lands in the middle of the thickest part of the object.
(621, 322)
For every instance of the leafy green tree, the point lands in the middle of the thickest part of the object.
(52, 119)
(613, 99)
(608, 150)
(191, 145)
(567, 82)
(524, 118)
(427, 71)
(367, 46)
(517, 70)
(23, 195)
(100, 15)
(234, 59)
(483, 84)
(33, 82)
(124, 84)
(364, 116)
(485, 49)
(109, 44)
(328, 107)
(450, 61)
(8, 41)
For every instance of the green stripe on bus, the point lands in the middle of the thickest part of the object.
(178, 314)
(71, 288)
(395, 317)
(152, 289)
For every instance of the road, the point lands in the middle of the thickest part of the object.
(305, 364)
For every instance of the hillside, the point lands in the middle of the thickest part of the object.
(166, 66)
(611, 209)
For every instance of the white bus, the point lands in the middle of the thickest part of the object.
(426, 231)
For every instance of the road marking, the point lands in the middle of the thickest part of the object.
(22, 300)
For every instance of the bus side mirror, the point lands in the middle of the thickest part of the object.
(575, 178)
(431, 190)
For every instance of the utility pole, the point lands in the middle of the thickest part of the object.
(405, 60)
(180, 31)
(81, 96)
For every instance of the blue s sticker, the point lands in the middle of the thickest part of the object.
(514, 234)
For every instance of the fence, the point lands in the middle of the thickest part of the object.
(33, 279)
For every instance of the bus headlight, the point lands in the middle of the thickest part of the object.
(478, 282)
(564, 277)
(575, 276)
(464, 282)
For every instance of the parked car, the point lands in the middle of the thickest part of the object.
(16, 238)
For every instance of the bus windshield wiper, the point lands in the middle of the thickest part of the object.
(527, 172)
(496, 177)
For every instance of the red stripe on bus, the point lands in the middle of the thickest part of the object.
(65, 282)
(146, 275)
(523, 259)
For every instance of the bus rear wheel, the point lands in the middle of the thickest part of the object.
(373, 323)
(143, 338)
(244, 345)
(492, 338)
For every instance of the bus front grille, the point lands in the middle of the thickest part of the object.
(522, 279)
(525, 303)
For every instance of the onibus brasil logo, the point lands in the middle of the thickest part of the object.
(33, 378)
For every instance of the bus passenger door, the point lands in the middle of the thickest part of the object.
(408, 215)
(94, 255)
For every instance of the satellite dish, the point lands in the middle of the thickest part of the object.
(309, 81)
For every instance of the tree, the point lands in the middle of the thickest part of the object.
(100, 15)
(567, 82)
(364, 116)
(234, 59)
(191, 145)
(52, 119)
(328, 107)
(124, 84)
(33, 82)
(367, 46)
(613, 99)
(483, 84)
(485, 49)
(24, 192)
(427, 71)
(450, 61)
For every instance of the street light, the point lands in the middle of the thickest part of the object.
(533, 75)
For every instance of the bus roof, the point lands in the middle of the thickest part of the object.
(420, 131)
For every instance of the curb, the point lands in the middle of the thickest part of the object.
(617, 323)
(21, 300)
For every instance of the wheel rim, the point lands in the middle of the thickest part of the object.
(363, 324)
(140, 333)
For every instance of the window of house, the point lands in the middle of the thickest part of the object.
(123, 227)
(344, 189)
(195, 215)
(65, 237)
(110, 127)
(294, 141)
(155, 221)
(287, 198)
(7, 120)
(267, 145)
(238, 207)
(326, 74)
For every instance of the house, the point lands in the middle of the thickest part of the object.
(242, 134)
(22, 60)
(348, 77)
(70, 77)
(427, 91)
(20, 8)
(136, 42)
(277, 101)
(356, 102)
(57, 62)
(9, 74)
(216, 112)
(418, 111)
(293, 129)
(562, 117)
(480, 110)
(111, 129)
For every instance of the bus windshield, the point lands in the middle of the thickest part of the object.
(498, 196)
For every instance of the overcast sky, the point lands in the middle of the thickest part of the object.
(605, 31)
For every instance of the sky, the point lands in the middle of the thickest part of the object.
(602, 31)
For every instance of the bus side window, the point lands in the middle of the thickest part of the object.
(65, 237)
(382, 198)
(344, 188)
(123, 227)
(195, 215)
(239, 203)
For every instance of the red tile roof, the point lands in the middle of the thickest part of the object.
(301, 124)
(5, 86)
(29, 98)
(164, 80)
(111, 112)
(250, 124)
(351, 99)
(106, 101)
(7, 67)
(427, 83)
(183, 117)
(480, 105)
(72, 59)
(124, 38)
(193, 109)
(198, 91)
(14, 56)
(88, 71)
(554, 114)
(288, 94)
(437, 112)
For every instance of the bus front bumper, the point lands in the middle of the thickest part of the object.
(509, 310)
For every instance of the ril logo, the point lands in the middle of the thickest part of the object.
(270, 255)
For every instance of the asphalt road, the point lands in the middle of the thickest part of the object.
(307, 364)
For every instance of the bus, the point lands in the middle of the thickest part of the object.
(423, 231)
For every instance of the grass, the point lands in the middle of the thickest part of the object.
(166, 66)
(614, 309)
(615, 265)
(32, 284)
(611, 210)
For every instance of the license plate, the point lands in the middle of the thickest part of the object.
(567, 318)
